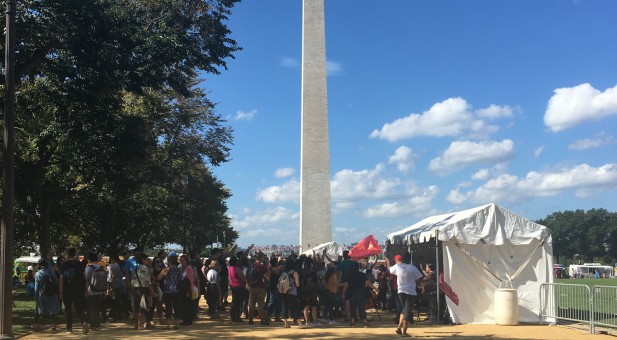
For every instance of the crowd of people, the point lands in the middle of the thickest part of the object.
(306, 291)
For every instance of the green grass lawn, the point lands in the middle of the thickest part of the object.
(589, 282)
(23, 313)
(574, 302)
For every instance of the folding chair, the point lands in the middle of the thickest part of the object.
(371, 309)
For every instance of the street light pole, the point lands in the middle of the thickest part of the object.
(6, 243)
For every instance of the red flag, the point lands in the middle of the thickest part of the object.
(446, 289)
(365, 248)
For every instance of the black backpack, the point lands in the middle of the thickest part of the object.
(252, 276)
(50, 285)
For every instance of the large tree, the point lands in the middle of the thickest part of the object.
(85, 159)
(583, 235)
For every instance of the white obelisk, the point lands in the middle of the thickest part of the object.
(315, 209)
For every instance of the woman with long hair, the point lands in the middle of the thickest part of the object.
(186, 287)
(308, 291)
(237, 282)
(290, 298)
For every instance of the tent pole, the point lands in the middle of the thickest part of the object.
(438, 316)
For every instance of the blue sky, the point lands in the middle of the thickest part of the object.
(434, 106)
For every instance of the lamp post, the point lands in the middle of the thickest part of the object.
(6, 252)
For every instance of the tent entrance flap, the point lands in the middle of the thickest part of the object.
(510, 278)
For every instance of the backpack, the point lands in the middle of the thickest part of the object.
(252, 276)
(285, 282)
(50, 286)
(98, 281)
(68, 276)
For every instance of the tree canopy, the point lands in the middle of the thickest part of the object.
(583, 235)
(115, 137)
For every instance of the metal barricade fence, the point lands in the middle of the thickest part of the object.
(604, 306)
(566, 302)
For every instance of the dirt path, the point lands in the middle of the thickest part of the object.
(384, 329)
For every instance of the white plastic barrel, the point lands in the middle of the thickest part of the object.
(506, 307)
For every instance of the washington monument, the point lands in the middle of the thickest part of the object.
(315, 208)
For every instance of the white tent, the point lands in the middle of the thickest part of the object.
(486, 248)
(333, 250)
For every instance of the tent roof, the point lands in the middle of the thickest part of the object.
(488, 224)
(331, 248)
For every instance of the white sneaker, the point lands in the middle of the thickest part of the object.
(333, 323)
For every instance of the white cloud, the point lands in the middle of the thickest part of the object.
(278, 216)
(283, 172)
(462, 153)
(346, 233)
(340, 206)
(455, 197)
(245, 115)
(495, 112)
(451, 117)
(289, 192)
(348, 185)
(288, 62)
(465, 184)
(416, 205)
(403, 157)
(584, 179)
(481, 174)
(598, 140)
(538, 151)
(572, 106)
(333, 69)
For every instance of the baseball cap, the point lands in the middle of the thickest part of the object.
(397, 257)
(172, 253)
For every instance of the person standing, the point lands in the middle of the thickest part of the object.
(46, 293)
(406, 276)
(213, 290)
(290, 299)
(344, 267)
(330, 290)
(95, 294)
(171, 278)
(185, 290)
(142, 289)
(116, 283)
(382, 281)
(355, 290)
(257, 288)
(72, 287)
(274, 300)
(238, 284)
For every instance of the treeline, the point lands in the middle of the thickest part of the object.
(115, 137)
(584, 236)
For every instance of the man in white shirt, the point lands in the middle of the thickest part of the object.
(406, 276)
